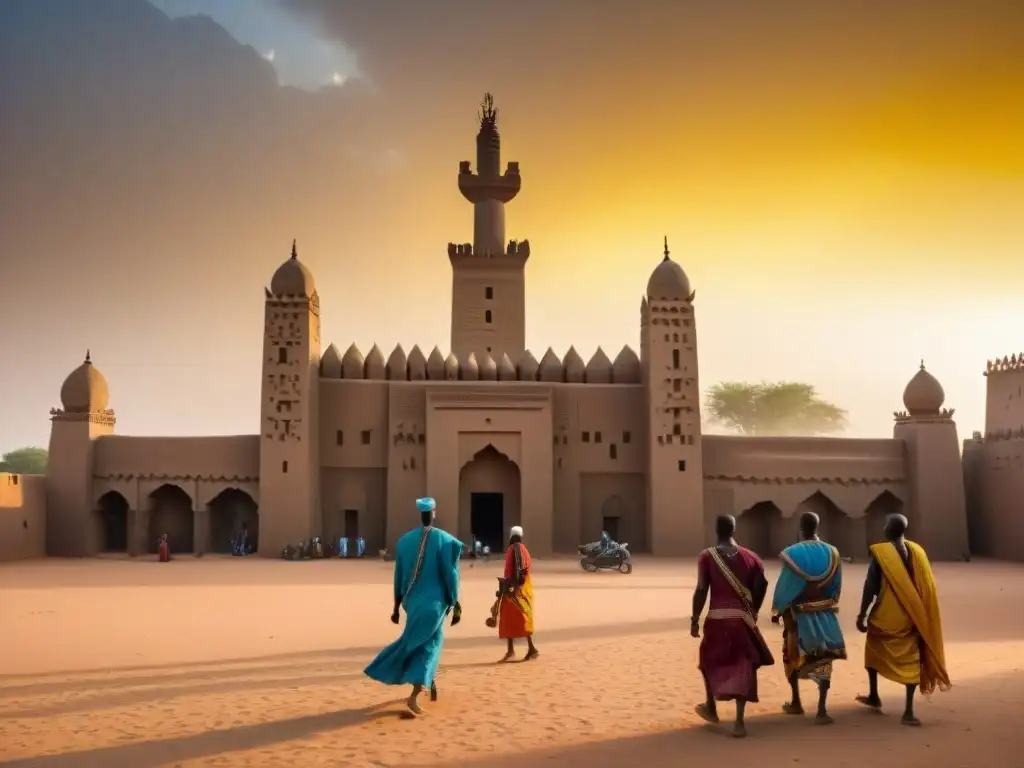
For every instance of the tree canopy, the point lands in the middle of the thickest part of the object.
(25, 461)
(777, 409)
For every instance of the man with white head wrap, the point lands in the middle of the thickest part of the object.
(427, 587)
(515, 613)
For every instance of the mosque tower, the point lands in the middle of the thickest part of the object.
(84, 415)
(937, 508)
(668, 354)
(289, 500)
(489, 276)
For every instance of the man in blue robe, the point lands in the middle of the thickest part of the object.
(427, 587)
(807, 599)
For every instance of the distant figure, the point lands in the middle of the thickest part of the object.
(164, 549)
(360, 546)
(427, 587)
(243, 541)
(343, 547)
(904, 628)
(515, 617)
(487, 554)
(732, 649)
(807, 598)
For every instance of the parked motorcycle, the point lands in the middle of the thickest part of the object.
(598, 557)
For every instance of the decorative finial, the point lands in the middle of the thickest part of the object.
(488, 114)
(922, 363)
(666, 248)
(295, 251)
(88, 357)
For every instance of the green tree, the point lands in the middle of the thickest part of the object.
(777, 409)
(25, 461)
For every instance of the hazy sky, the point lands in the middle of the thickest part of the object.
(842, 181)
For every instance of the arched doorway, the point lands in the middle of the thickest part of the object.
(489, 497)
(234, 516)
(171, 513)
(834, 523)
(759, 529)
(884, 504)
(112, 517)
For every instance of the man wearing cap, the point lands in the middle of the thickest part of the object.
(515, 612)
(427, 587)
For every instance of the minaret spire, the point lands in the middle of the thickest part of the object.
(666, 248)
(295, 251)
(88, 357)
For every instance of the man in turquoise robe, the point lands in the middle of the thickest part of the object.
(427, 587)
(807, 599)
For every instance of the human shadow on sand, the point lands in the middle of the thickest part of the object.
(201, 671)
(161, 752)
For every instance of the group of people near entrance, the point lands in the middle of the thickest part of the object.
(899, 613)
(427, 588)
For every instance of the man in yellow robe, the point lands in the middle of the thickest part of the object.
(903, 626)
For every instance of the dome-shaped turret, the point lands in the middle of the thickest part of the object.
(397, 367)
(599, 369)
(668, 281)
(417, 364)
(488, 368)
(923, 395)
(469, 368)
(85, 390)
(575, 368)
(374, 368)
(551, 367)
(352, 363)
(626, 368)
(293, 278)
(435, 365)
(451, 367)
(527, 368)
(330, 363)
(506, 370)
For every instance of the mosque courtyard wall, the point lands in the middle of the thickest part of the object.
(22, 516)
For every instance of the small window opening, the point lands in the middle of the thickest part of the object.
(613, 451)
(585, 437)
(487, 316)
(488, 293)
(284, 467)
(365, 435)
(682, 465)
(340, 437)
(282, 354)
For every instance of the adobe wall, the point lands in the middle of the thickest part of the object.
(22, 516)
(767, 482)
(994, 485)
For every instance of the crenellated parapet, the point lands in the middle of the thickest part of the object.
(1012, 364)
(436, 366)
(516, 253)
(943, 415)
(999, 435)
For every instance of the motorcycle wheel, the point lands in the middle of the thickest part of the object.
(626, 568)
(588, 567)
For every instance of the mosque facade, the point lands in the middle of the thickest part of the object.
(499, 435)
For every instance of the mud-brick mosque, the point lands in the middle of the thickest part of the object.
(498, 434)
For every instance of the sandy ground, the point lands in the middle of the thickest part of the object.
(228, 662)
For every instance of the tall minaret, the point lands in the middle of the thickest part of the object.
(668, 352)
(290, 397)
(489, 276)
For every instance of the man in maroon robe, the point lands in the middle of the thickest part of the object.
(732, 649)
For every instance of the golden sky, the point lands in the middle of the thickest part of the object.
(842, 181)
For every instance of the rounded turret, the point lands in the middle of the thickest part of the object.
(469, 368)
(506, 370)
(374, 368)
(397, 367)
(551, 369)
(352, 363)
(436, 365)
(626, 368)
(923, 395)
(330, 363)
(85, 389)
(599, 368)
(527, 367)
(575, 368)
(293, 278)
(488, 368)
(451, 367)
(668, 281)
(417, 364)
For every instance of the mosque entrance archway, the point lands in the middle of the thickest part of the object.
(759, 528)
(234, 521)
(171, 513)
(489, 494)
(112, 518)
(884, 504)
(834, 524)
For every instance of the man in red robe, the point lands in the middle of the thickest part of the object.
(515, 610)
(733, 648)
